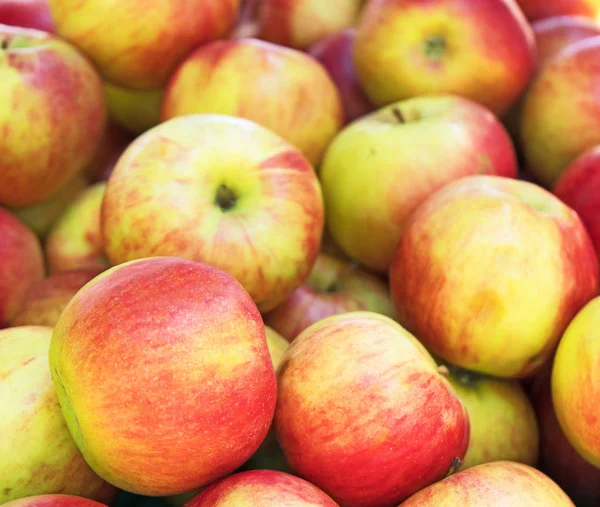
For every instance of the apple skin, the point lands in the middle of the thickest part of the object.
(37, 453)
(190, 345)
(357, 390)
(27, 14)
(531, 267)
(138, 43)
(493, 484)
(556, 33)
(503, 422)
(230, 77)
(75, 240)
(575, 381)
(541, 9)
(560, 119)
(334, 286)
(378, 170)
(56, 500)
(267, 488)
(21, 264)
(579, 187)
(47, 81)
(267, 236)
(335, 53)
(135, 110)
(46, 299)
(411, 48)
(301, 23)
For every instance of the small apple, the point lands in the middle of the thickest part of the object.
(27, 14)
(47, 83)
(21, 264)
(163, 375)
(541, 9)
(219, 190)
(267, 488)
(55, 500)
(336, 54)
(500, 484)
(487, 259)
(37, 453)
(480, 49)
(138, 44)
(135, 110)
(363, 413)
(333, 286)
(381, 167)
(230, 77)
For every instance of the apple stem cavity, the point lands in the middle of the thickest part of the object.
(398, 115)
(435, 47)
(225, 198)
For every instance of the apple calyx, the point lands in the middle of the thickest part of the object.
(435, 47)
(225, 198)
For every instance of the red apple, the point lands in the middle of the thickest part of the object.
(53, 501)
(21, 264)
(266, 488)
(486, 259)
(363, 413)
(579, 187)
(336, 55)
(499, 484)
(47, 83)
(220, 190)
(163, 375)
(46, 299)
(540, 9)
(27, 14)
(333, 286)
(481, 49)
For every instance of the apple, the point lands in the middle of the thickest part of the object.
(75, 240)
(363, 413)
(219, 190)
(230, 77)
(27, 14)
(302, 23)
(503, 422)
(559, 120)
(113, 142)
(37, 454)
(333, 286)
(267, 488)
(42, 216)
(480, 49)
(579, 187)
(46, 299)
(55, 500)
(135, 110)
(380, 168)
(335, 53)
(139, 44)
(163, 375)
(558, 459)
(493, 484)
(575, 382)
(489, 272)
(46, 81)
(556, 33)
(21, 264)
(540, 9)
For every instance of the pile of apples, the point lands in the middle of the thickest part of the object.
(299, 253)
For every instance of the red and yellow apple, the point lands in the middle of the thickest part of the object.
(46, 299)
(75, 240)
(163, 375)
(541, 9)
(219, 190)
(21, 264)
(267, 488)
(579, 187)
(47, 83)
(363, 413)
(56, 500)
(135, 110)
(502, 483)
(37, 454)
(490, 271)
(138, 44)
(336, 54)
(27, 14)
(334, 286)
(480, 49)
(282, 89)
(380, 168)
(560, 118)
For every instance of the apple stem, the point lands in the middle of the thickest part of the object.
(398, 115)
